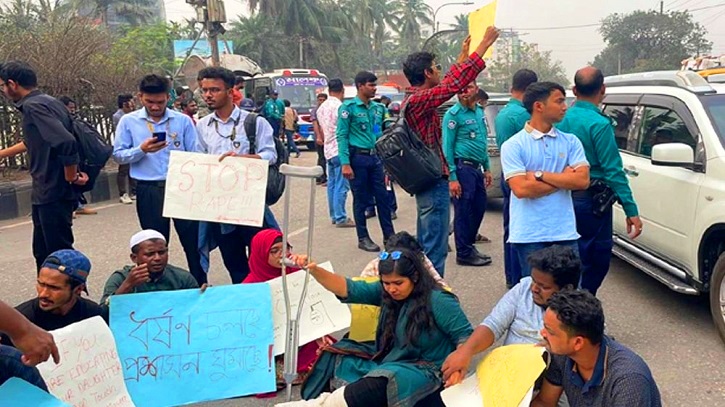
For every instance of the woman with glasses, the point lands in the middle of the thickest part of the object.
(265, 263)
(419, 325)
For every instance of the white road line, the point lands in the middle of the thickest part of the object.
(30, 222)
(298, 232)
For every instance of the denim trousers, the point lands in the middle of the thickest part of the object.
(595, 243)
(432, 224)
(337, 189)
(511, 266)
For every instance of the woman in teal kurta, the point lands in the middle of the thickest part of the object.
(403, 365)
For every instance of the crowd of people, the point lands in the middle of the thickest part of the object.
(558, 237)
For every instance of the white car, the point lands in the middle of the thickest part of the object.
(670, 129)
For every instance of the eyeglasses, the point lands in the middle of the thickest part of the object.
(393, 255)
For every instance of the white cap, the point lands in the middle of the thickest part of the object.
(145, 235)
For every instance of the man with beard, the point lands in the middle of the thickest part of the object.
(150, 272)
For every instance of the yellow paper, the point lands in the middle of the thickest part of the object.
(364, 323)
(507, 373)
(478, 21)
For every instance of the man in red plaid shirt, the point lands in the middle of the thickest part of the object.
(426, 94)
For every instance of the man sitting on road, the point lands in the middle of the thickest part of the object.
(61, 280)
(150, 272)
(520, 313)
(590, 368)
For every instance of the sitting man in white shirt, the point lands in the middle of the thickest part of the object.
(520, 313)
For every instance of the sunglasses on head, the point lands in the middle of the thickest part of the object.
(392, 255)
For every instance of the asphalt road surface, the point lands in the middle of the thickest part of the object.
(673, 333)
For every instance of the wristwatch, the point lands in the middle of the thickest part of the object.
(539, 175)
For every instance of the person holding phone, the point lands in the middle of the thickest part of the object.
(145, 139)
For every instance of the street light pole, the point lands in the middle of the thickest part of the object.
(435, 13)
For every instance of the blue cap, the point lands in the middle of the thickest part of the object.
(247, 104)
(72, 263)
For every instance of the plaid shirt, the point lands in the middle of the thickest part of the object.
(421, 105)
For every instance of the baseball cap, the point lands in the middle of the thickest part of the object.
(247, 104)
(274, 92)
(72, 263)
(145, 235)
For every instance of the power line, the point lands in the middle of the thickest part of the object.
(563, 27)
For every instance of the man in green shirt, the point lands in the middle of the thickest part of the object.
(509, 121)
(150, 272)
(274, 112)
(359, 125)
(596, 132)
(465, 146)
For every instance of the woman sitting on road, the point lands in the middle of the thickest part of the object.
(419, 325)
(265, 263)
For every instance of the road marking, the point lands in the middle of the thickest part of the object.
(30, 222)
(298, 232)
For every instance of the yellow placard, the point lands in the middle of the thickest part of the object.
(507, 373)
(364, 323)
(478, 21)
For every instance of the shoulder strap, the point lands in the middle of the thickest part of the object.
(250, 128)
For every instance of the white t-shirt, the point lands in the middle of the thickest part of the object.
(327, 118)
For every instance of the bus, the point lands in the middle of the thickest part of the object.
(299, 86)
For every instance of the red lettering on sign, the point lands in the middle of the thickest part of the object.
(190, 177)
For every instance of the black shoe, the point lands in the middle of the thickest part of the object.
(369, 215)
(393, 216)
(473, 261)
(368, 245)
(481, 255)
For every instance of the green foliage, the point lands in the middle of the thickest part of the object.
(647, 40)
(151, 46)
(511, 59)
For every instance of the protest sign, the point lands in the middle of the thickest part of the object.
(322, 312)
(507, 373)
(17, 392)
(180, 347)
(478, 21)
(199, 187)
(364, 322)
(468, 394)
(89, 373)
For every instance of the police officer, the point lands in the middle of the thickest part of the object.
(510, 120)
(274, 112)
(465, 146)
(596, 132)
(145, 139)
(359, 125)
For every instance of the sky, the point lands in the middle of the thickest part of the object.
(574, 47)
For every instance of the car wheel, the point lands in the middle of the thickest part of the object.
(717, 296)
(311, 145)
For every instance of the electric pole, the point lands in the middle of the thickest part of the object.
(212, 13)
(662, 7)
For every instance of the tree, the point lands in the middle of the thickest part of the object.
(649, 40)
(260, 38)
(135, 12)
(519, 56)
(409, 17)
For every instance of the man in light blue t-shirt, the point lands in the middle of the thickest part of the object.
(542, 165)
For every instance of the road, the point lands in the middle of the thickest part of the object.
(673, 333)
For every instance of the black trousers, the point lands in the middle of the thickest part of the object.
(322, 162)
(150, 207)
(234, 249)
(52, 229)
(372, 391)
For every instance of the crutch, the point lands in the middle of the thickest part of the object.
(292, 340)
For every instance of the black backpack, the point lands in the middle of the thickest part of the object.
(407, 160)
(93, 151)
(275, 180)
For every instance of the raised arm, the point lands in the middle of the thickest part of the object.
(332, 282)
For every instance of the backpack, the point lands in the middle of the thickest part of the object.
(407, 160)
(275, 180)
(93, 151)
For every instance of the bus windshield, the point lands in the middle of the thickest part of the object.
(300, 91)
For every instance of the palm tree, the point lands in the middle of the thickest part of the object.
(410, 16)
(260, 38)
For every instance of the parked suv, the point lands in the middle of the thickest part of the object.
(670, 129)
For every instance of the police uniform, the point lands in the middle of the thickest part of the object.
(465, 146)
(596, 133)
(358, 128)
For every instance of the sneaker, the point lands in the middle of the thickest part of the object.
(86, 211)
(347, 223)
(125, 199)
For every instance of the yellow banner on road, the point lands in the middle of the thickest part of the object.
(478, 21)
(507, 373)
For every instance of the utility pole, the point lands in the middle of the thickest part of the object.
(212, 13)
(662, 7)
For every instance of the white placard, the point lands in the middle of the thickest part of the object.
(467, 394)
(89, 373)
(199, 187)
(322, 312)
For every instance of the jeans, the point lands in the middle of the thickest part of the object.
(276, 125)
(270, 222)
(126, 184)
(433, 219)
(12, 366)
(469, 209)
(337, 188)
(595, 243)
(52, 229)
(511, 266)
(291, 146)
(523, 250)
(369, 181)
(233, 247)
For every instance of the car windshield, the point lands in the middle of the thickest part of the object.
(715, 107)
(301, 97)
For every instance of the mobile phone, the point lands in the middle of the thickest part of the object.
(160, 136)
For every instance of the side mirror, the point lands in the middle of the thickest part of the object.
(673, 155)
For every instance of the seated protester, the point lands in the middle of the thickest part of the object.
(520, 313)
(61, 280)
(419, 325)
(405, 241)
(150, 272)
(590, 368)
(11, 365)
(265, 263)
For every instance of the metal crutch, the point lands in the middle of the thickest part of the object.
(292, 340)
